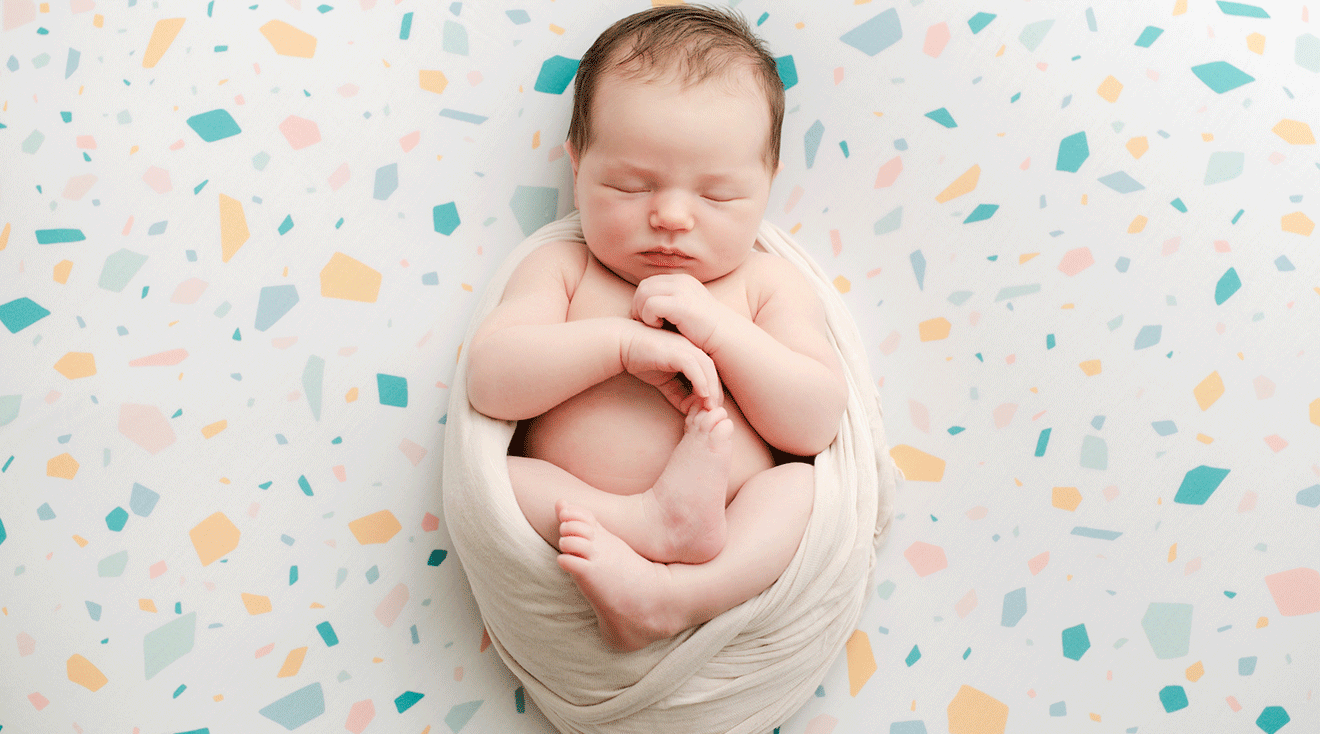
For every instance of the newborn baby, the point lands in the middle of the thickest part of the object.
(658, 365)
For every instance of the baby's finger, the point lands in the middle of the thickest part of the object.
(676, 395)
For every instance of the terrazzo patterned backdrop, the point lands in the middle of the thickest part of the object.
(241, 243)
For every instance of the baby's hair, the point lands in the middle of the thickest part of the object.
(695, 42)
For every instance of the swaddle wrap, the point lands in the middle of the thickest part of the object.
(745, 671)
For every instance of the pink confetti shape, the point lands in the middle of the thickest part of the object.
(26, 645)
(52, 396)
(81, 6)
(430, 523)
(338, 471)
(348, 90)
(1111, 492)
(284, 342)
(189, 291)
(977, 513)
(238, 99)
(410, 141)
(330, 542)
(78, 186)
(1264, 387)
(1153, 75)
(161, 359)
(1042, 66)
(18, 13)
(1004, 414)
(1031, 693)
(458, 673)
(38, 701)
(264, 651)
(838, 75)
(1276, 443)
(965, 605)
(1038, 563)
(937, 37)
(128, 226)
(1010, 359)
(413, 451)
(1295, 592)
(557, 152)
(1192, 567)
(1233, 704)
(889, 172)
(926, 558)
(253, 509)
(347, 351)
(793, 197)
(157, 569)
(836, 242)
(874, 272)
(920, 416)
(339, 177)
(1276, 158)
(823, 724)
(1075, 261)
(1248, 502)
(177, 145)
(360, 715)
(973, 317)
(1220, 327)
(474, 77)
(1222, 246)
(158, 179)
(86, 142)
(145, 426)
(391, 605)
(1171, 245)
(890, 343)
(300, 132)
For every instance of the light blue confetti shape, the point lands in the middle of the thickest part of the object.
(455, 39)
(943, 117)
(1309, 497)
(1014, 291)
(445, 217)
(71, 64)
(431, 278)
(167, 643)
(1307, 52)
(1173, 698)
(1015, 607)
(1149, 336)
(981, 213)
(373, 574)
(119, 268)
(312, 377)
(1242, 9)
(274, 302)
(979, 21)
(45, 513)
(93, 610)
(1168, 628)
(387, 181)
(534, 206)
(12, 64)
(1224, 165)
(1034, 33)
(1121, 265)
(341, 577)
(459, 715)
(157, 228)
(1198, 484)
(1228, 284)
(1148, 36)
(1075, 642)
(1121, 182)
(960, 297)
(556, 72)
(297, 708)
(876, 34)
(215, 125)
(462, 116)
(1247, 665)
(17, 315)
(811, 141)
(1222, 76)
(518, 17)
(1073, 152)
(886, 589)
(1095, 453)
(1165, 428)
(1090, 20)
(1059, 708)
(918, 261)
(787, 70)
(890, 222)
(393, 390)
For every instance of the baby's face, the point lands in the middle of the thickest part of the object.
(675, 180)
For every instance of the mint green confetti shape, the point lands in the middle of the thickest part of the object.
(1014, 291)
(1095, 453)
(1224, 166)
(876, 34)
(167, 643)
(393, 390)
(1168, 628)
(886, 589)
(119, 268)
(1222, 76)
(445, 218)
(297, 708)
(455, 40)
(406, 700)
(1148, 36)
(214, 125)
(534, 206)
(787, 69)
(1034, 33)
(19, 314)
(1073, 152)
(57, 236)
(556, 72)
(1075, 642)
(890, 222)
(981, 213)
(1198, 484)
(943, 117)
(9, 408)
(1242, 9)
(312, 377)
(33, 142)
(1228, 284)
(1307, 52)
(979, 21)
(460, 715)
(811, 141)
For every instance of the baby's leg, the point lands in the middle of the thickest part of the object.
(679, 519)
(638, 601)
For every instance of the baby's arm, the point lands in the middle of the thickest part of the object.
(526, 358)
(779, 366)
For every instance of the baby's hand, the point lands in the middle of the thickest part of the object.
(683, 301)
(659, 358)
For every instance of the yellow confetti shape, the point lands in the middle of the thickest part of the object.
(98, 20)
(1090, 367)
(147, 605)
(1210, 390)
(233, 227)
(213, 537)
(256, 603)
(1204, 439)
(974, 712)
(1298, 223)
(1138, 224)
(1256, 43)
(62, 269)
(4, 236)
(962, 185)
(934, 329)
(1294, 131)
(1000, 52)
(1180, 7)
(1095, 718)
(432, 80)
(292, 663)
(1195, 671)
(289, 41)
(76, 364)
(1207, 137)
(214, 428)
(1109, 89)
(842, 285)
(1315, 411)
(861, 661)
(82, 672)
(218, 697)
(351, 395)
(161, 38)
(1026, 257)
(317, 605)
(80, 540)
(378, 527)
(556, 30)
(1066, 498)
(1138, 146)
(346, 278)
(1173, 553)
(917, 465)
(1262, 622)
(63, 466)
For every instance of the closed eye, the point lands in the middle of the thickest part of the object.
(627, 189)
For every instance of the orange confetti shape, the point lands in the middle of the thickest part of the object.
(161, 37)
(1109, 89)
(1195, 671)
(84, 673)
(842, 285)
(63, 466)
(432, 80)
(1210, 390)
(233, 227)
(214, 428)
(1297, 223)
(1138, 146)
(214, 537)
(1066, 498)
(974, 712)
(962, 185)
(256, 603)
(346, 278)
(292, 663)
(377, 527)
(934, 329)
(75, 365)
(62, 269)
(917, 465)
(289, 41)
(861, 661)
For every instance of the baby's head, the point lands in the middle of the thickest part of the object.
(674, 142)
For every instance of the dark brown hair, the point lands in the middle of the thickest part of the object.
(696, 42)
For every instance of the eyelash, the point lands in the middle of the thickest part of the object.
(642, 191)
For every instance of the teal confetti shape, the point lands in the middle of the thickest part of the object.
(1149, 336)
(438, 556)
(787, 70)
(1073, 152)
(455, 39)
(764, 17)
(979, 21)
(406, 700)
(943, 117)
(1242, 9)
(1075, 642)
(179, 691)
(534, 206)
(556, 72)
(58, 236)
(1228, 284)
(215, 125)
(116, 519)
(955, 430)
(1168, 627)
(1043, 441)
(811, 141)
(918, 261)
(387, 182)
(312, 377)
(1014, 291)
(1198, 484)
(1179, 205)
(293, 575)
(119, 268)
(1224, 166)
(373, 574)
(327, 633)
(1095, 453)
(890, 222)
(17, 315)
(238, 336)
(1222, 76)
(297, 708)
(286, 225)
(1121, 182)
(876, 34)
(1272, 719)
(305, 485)
(459, 715)
(1238, 216)
(445, 217)
(198, 188)
(913, 656)
(1015, 607)
(1230, 594)
(274, 302)
(1049, 341)
(167, 643)
(981, 213)
(3, 534)
(843, 145)
(393, 390)
(520, 700)
(1148, 36)
(1174, 698)
(405, 27)
(1034, 33)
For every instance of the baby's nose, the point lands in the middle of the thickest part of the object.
(671, 211)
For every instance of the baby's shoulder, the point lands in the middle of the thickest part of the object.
(564, 259)
(771, 275)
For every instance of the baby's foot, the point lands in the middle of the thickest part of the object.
(686, 504)
(627, 592)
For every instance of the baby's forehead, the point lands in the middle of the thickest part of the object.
(737, 78)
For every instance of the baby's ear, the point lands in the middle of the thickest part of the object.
(572, 155)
